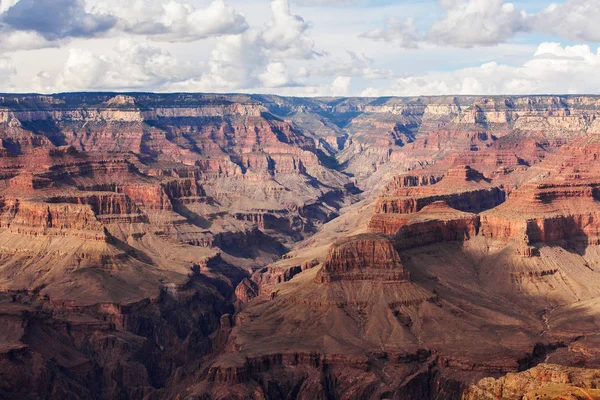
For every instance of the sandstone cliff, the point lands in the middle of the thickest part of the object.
(250, 246)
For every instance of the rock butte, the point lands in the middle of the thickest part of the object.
(195, 246)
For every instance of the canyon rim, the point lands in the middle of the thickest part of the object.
(299, 200)
(248, 246)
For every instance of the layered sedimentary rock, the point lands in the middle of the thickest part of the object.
(545, 381)
(421, 209)
(546, 213)
(249, 246)
(105, 206)
(462, 188)
(433, 224)
(362, 257)
(52, 219)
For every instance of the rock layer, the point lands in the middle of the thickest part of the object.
(232, 246)
(363, 257)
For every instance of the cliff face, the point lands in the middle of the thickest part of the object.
(493, 227)
(546, 381)
(247, 246)
(546, 213)
(362, 258)
(462, 188)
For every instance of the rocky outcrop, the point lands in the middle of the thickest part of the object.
(108, 207)
(545, 213)
(411, 180)
(114, 206)
(363, 257)
(35, 219)
(182, 189)
(273, 221)
(118, 345)
(28, 182)
(433, 224)
(462, 188)
(246, 290)
(150, 197)
(469, 201)
(545, 381)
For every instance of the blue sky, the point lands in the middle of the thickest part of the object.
(302, 47)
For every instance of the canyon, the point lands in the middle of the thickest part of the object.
(205, 246)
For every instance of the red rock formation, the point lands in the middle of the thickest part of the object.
(107, 206)
(433, 224)
(151, 197)
(546, 213)
(28, 182)
(51, 219)
(545, 381)
(472, 201)
(411, 180)
(363, 257)
(110, 204)
(246, 291)
(462, 188)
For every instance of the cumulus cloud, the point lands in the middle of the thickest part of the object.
(337, 87)
(358, 65)
(7, 71)
(341, 86)
(276, 74)
(57, 20)
(131, 65)
(257, 58)
(173, 20)
(7, 67)
(286, 34)
(54, 19)
(281, 56)
(25, 40)
(6, 4)
(469, 23)
(552, 69)
(573, 19)
(235, 62)
(254, 58)
(402, 33)
(336, 3)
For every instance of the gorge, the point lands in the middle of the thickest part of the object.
(204, 246)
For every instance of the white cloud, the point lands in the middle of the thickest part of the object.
(252, 59)
(130, 65)
(7, 71)
(402, 33)
(359, 65)
(553, 69)
(341, 86)
(234, 63)
(573, 19)
(25, 40)
(336, 3)
(7, 67)
(286, 34)
(275, 75)
(173, 20)
(54, 19)
(256, 58)
(469, 23)
(278, 54)
(6, 4)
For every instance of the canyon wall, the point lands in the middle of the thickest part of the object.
(253, 246)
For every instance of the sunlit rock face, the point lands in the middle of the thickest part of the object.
(246, 246)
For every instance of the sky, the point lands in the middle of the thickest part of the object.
(301, 47)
